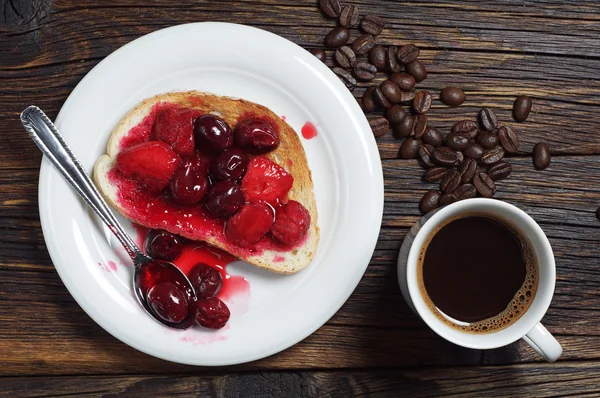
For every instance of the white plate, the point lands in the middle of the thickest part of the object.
(259, 66)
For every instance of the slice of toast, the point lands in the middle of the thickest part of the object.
(268, 253)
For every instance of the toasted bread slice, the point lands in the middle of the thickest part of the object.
(267, 253)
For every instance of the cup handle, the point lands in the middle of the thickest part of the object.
(543, 343)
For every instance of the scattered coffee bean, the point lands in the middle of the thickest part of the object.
(450, 182)
(407, 97)
(405, 128)
(446, 199)
(405, 81)
(395, 114)
(473, 151)
(422, 102)
(445, 156)
(391, 91)
(379, 125)
(484, 185)
(488, 119)
(417, 70)
(392, 64)
(541, 155)
(345, 57)
(491, 156)
(364, 71)
(407, 53)
(433, 137)
(420, 126)
(435, 174)
(466, 127)
(425, 154)
(452, 96)
(380, 99)
(521, 108)
(457, 142)
(367, 102)
(372, 24)
(409, 148)
(345, 77)
(377, 57)
(465, 191)
(429, 201)
(487, 139)
(363, 44)
(349, 16)
(508, 139)
(331, 8)
(337, 37)
(467, 170)
(319, 53)
(499, 171)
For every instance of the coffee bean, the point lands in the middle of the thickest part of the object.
(508, 139)
(337, 37)
(487, 139)
(405, 128)
(499, 171)
(429, 201)
(319, 53)
(409, 148)
(377, 57)
(425, 154)
(447, 198)
(521, 108)
(395, 114)
(466, 127)
(372, 24)
(450, 182)
(345, 77)
(473, 151)
(484, 185)
(391, 91)
(407, 97)
(445, 156)
(405, 81)
(465, 191)
(379, 125)
(367, 102)
(433, 137)
(349, 16)
(457, 142)
(417, 70)
(452, 96)
(420, 126)
(467, 170)
(364, 71)
(380, 99)
(345, 57)
(422, 102)
(331, 8)
(392, 64)
(363, 44)
(435, 174)
(541, 155)
(488, 119)
(407, 53)
(491, 156)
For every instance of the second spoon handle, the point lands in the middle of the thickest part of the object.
(48, 139)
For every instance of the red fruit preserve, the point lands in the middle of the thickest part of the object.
(309, 130)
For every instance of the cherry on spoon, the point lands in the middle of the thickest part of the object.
(149, 272)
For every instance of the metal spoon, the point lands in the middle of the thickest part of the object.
(47, 138)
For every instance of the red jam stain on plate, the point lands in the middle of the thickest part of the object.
(283, 118)
(112, 265)
(309, 131)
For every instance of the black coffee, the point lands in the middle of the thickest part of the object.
(478, 271)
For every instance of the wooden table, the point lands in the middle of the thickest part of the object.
(374, 345)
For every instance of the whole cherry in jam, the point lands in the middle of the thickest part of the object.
(256, 136)
(212, 134)
(231, 164)
(163, 245)
(190, 181)
(292, 221)
(206, 280)
(168, 302)
(212, 313)
(224, 199)
(250, 224)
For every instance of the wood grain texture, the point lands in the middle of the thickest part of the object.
(374, 345)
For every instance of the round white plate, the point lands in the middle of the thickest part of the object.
(259, 66)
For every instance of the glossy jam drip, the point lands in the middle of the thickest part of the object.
(309, 131)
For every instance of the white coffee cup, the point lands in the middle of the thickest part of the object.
(528, 326)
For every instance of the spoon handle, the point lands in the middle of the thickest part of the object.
(48, 139)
